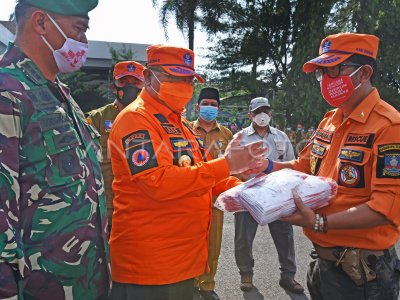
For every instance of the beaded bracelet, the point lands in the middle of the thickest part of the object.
(316, 224)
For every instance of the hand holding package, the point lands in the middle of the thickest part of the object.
(269, 197)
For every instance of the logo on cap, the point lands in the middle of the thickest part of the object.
(187, 59)
(131, 68)
(326, 45)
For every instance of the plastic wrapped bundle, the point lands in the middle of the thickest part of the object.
(269, 197)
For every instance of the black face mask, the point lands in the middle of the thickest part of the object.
(129, 94)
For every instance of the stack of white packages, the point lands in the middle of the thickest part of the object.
(269, 197)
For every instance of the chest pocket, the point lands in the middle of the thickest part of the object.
(65, 154)
(280, 147)
(354, 167)
(318, 152)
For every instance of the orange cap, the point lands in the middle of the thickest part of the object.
(336, 48)
(173, 60)
(128, 68)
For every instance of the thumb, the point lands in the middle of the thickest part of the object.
(237, 139)
(297, 200)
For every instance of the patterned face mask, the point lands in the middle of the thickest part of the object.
(71, 56)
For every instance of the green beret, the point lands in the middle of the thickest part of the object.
(78, 8)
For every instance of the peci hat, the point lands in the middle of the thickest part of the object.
(173, 60)
(78, 8)
(336, 48)
(258, 102)
(208, 93)
(128, 68)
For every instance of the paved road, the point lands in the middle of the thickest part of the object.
(266, 271)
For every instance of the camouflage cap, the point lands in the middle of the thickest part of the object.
(78, 8)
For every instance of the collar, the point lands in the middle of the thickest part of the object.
(197, 125)
(155, 105)
(364, 109)
(25, 64)
(361, 112)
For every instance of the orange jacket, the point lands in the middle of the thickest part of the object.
(161, 210)
(363, 155)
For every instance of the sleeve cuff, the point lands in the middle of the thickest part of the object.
(220, 168)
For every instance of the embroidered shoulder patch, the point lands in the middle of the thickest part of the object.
(363, 140)
(351, 155)
(351, 176)
(324, 135)
(388, 164)
(139, 151)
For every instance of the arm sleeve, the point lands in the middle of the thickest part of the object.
(302, 163)
(160, 178)
(385, 183)
(11, 247)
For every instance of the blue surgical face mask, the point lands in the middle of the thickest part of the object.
(208, 113)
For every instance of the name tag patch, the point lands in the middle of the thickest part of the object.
(171, 129)
(363, 140)
(324, 135)
(388, 164)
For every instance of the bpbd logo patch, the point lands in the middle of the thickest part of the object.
(326, 46)
(188, 59)
(131, 68)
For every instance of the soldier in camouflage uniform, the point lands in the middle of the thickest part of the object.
(53, 239)
(128, 82)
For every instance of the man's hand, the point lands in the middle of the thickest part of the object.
(304, 216)
(242, 158)
(263, 165)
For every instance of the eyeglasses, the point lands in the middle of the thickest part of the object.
(332, 72)
(172, 78)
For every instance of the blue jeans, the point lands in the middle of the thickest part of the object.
(282, 234)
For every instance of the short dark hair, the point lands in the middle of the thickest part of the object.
(22, 11)
(365, 60)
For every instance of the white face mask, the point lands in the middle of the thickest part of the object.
(71, 56)
(262, 119)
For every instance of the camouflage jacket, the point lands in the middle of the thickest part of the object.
(53, 239)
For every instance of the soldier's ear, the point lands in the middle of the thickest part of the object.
(39, 22)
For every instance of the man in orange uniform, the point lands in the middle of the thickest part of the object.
(358, 145)
(164, 184)
(127, 84)
(216, 138)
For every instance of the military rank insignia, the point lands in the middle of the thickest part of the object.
(388, 164)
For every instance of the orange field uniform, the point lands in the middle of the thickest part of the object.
(163, 191)
(363, 155)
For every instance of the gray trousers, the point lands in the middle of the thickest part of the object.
(282, 234)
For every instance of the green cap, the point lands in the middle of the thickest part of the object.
(78, 8)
